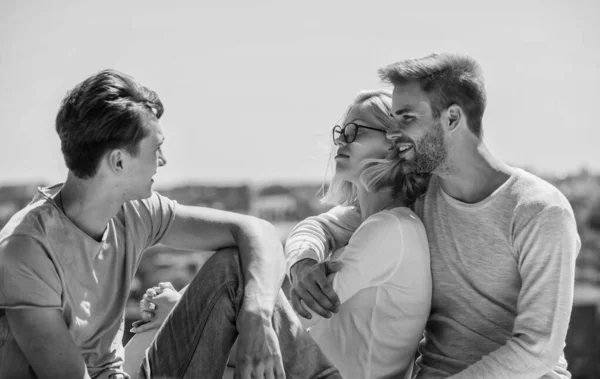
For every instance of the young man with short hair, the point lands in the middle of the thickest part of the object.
(67, 260)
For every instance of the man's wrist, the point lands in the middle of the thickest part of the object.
(253, 317)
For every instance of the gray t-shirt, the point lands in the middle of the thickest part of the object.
(87, 280)
(503, 276)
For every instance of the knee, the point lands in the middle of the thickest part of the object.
(225, 261)
(229, 256)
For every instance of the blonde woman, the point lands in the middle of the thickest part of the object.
(382, 277)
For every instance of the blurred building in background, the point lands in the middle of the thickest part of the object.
(285, 205)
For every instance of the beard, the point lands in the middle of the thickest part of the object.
(432, 153)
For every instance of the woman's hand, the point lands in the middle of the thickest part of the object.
(155, 307)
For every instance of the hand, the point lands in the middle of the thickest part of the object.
(155, 307)
(258, 354)
(312, 287)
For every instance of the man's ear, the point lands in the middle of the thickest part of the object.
(115, 160)
(454, 115)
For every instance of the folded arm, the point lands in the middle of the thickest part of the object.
(316, 237)
(263, 266)
(548, 246)
(205, 229)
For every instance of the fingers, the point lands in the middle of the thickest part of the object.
(298, 306)
(243, 371)
(147, 305)
(137, 323)
(164, 285)
(310, 302)
(146, 309)
(314, 287)
(258, 371)
(332, 266)
(311, 291)
(139, 328)
(330, 300)
(278, 371)
(272, 370)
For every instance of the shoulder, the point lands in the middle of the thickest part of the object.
(393, 219)
(155, 204)
(387, 227)
(35, 220)
(21, 249)
(536, 198)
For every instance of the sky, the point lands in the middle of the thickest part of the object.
(251, 89)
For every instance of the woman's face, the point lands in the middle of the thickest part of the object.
(369, 144)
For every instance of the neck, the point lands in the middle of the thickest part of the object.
(473, 173)
(89, 204)
(373, 202)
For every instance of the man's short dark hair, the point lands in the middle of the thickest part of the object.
(447, 79)
(104, 112)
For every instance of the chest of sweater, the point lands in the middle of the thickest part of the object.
(474, 261)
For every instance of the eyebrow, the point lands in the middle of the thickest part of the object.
(354, 121)
(403, 110)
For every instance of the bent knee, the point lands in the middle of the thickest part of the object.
(226, 259)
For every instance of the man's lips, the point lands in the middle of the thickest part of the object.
(404, 147)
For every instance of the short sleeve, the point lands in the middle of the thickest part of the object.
(153, 218)
(28, 277)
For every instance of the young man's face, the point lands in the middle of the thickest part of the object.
(419, 137)
(141, 168)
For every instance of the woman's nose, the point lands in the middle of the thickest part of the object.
(340, 141)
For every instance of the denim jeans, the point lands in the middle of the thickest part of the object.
(197, 336)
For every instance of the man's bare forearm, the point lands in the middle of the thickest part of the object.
(263, 265)
(46, 343)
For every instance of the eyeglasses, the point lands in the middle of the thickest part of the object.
(349, 132)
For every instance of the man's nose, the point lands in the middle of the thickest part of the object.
(162, 160)
(394, 133)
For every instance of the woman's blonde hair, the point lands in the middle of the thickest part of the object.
(378, 174)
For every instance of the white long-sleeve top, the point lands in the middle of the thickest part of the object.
(385, 293)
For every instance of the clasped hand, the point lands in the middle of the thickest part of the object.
(312, 288)
(258, 354)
